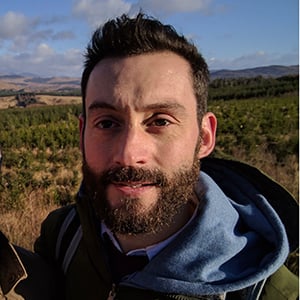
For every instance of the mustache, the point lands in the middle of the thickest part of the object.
(132, 174)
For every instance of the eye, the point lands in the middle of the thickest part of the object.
(161, 122)
(106, 124)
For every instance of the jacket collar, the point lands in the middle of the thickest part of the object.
(12, 270)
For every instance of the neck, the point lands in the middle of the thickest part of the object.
(130, 242)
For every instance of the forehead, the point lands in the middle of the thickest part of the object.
(147, 77)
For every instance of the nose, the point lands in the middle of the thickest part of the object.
(132, 147)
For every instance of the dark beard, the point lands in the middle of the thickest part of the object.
(174, 194)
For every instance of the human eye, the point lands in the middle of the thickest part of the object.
(160, 122)
(107, 124)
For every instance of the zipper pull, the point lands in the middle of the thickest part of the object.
(112, 293)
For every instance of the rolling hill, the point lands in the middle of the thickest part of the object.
(36, 84)
(269, 71)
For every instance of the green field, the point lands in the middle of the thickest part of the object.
(41, 167)
(40, 145)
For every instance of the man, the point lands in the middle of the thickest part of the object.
(24, 275)
(147, 224)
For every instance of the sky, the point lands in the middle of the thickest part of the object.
(48, 38)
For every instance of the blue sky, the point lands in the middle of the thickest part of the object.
(48, 38)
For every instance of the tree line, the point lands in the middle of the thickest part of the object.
(256, 87)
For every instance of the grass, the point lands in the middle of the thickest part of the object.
(22, 226)
(37, 179)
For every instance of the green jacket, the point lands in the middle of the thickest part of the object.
(81, 254)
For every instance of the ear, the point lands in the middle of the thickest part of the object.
(208, 135)
(81, 130)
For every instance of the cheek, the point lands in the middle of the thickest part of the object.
(95, 153)
(179, 153)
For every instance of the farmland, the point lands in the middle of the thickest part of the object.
(41, 167)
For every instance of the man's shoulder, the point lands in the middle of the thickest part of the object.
(54, 220)
(59, 214)
(46, 243)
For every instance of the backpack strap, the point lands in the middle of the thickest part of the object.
(68, 239)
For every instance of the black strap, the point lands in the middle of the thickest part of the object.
(68, 232)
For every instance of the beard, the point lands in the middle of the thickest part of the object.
(130, 218)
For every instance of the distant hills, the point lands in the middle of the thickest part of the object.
(32, 83)
(269, 71)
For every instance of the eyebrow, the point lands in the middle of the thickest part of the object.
(165, 106)
(155, 106)
(101, 105)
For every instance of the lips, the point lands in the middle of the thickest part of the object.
(132, 188)
(133, 185)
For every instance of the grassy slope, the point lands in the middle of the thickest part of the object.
(41, 166)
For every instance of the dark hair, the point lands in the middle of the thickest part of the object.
(126, 36)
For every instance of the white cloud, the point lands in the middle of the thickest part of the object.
(25, 46)
(19, 33)
(44, 50)
(63, 35)
(172, 6)
(97, 12)
(14, 24)
(43, 61)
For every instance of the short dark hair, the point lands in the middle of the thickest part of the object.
(125, 36)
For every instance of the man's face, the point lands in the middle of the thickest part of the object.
(140, 136)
